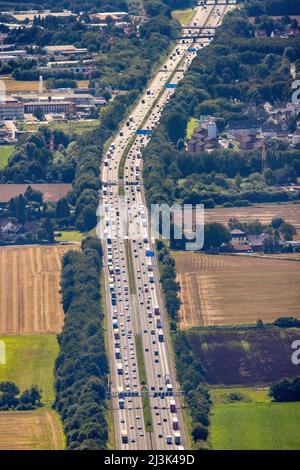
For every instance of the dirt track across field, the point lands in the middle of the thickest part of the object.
(229, 290)
(29, 289)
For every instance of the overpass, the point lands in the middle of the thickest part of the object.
(217, 2)
(199, 36)
(212, 28)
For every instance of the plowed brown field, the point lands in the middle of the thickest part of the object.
(29, 289)
(30, 430)
(228, 290)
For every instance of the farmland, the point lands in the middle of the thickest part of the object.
(19, 86)
(248, 357)
(31, 430)
(51, 192)
(29, 289)
(230, 290)
(255, 426)
(263, 212)
(5, 153)
(30, 361)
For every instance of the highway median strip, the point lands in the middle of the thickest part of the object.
(143, 381)
(132, 284)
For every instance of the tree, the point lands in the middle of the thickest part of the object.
(20, 209)
(62, 208)
(176, 123)
(87, 219)
(199, 432)
(215, 234)
(277, 222)
(47, 230)
(39, 114)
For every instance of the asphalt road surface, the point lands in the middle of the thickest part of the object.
(134, 304)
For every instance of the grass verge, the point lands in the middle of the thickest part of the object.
(143, 381)
(183, 16)
(132, 283)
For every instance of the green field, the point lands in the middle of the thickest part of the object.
(69, 236)
(254, 423)
(30, 361)
(183, 16)
(5, 153)
(257, 395)
(193, 122)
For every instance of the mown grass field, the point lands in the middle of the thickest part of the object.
(30, 361)
(183, 16)
(5, 153)
(255, 426)
(75, 127)
(263, 212)
(69, 236)
(190, 127)
(31, 430)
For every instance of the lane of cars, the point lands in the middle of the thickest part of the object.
(141, 312)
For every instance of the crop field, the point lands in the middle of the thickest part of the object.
(264, 213)
(245, 357)
(255, 426)
(5, 153)
(31, 430)
(30, 361)
(230, 290)
(29, 289)
(51, 192)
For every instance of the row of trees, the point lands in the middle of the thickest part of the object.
(190, 372)
(12, 399)
(81, 368)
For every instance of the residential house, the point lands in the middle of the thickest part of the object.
(204, 137)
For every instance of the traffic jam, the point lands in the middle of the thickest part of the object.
(135, 305)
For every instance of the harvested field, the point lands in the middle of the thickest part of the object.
(19, 86)
(29, 289)
(51, 192)
(247, 357)
(30, 430)
(230, 290)
(264, 213)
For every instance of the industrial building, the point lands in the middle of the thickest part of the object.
(11, 108)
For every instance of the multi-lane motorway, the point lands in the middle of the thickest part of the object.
(133, 302)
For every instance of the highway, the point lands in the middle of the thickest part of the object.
(133, 302)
